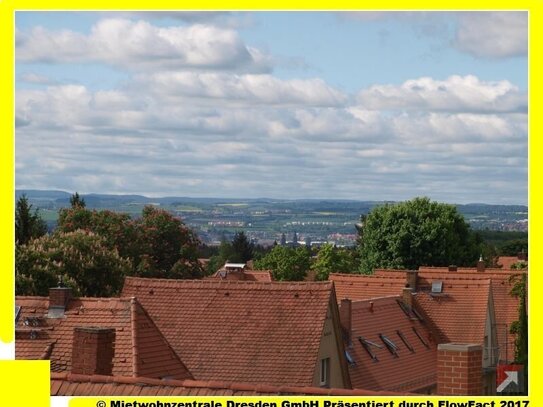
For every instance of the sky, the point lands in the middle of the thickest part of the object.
(291, 105)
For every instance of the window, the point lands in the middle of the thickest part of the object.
(437, 287)
(325, 373)
(367, 346)
(349, 358)
(405, 341)
(421, 338)
(391, 346)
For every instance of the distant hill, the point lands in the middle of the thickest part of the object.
(266, 218)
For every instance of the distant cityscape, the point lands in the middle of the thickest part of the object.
(266, 221)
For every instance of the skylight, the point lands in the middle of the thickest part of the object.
(391, 346)
(421, 338)
(437, 287)
(367, 346)
(17, 313)
(349, 358)
(405, 341)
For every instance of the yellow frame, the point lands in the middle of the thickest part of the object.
(28, 391)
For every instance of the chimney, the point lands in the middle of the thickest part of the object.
(412, 277)
(459, 369)
(453, 268)
(58, 300)
(522, 256)
(481, 265)
(345, 318)
(92, 351)
(407, 297)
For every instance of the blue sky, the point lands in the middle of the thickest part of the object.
(367, 105)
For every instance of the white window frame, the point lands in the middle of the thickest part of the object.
(324, 373)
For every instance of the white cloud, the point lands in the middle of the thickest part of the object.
(140, 45)
(455, 94)
(149, 142)
(264, 89)
(493, 34)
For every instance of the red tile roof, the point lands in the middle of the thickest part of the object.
(507, 261)
(140, 348)
(258, 332)
(411, 370)
(459, 313)
(505, 305)
(63, 384)
(363, 287)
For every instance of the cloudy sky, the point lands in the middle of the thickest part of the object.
(367, 106)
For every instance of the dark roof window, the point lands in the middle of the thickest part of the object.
(421, 338)
(391, 346)
(367, 346)
(405, 341)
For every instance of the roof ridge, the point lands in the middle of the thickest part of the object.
(214, 384)
(231, 284)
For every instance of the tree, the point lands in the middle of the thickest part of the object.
(164, 240)
(331, 259)
(28, 225)
(514, 247)
(520, 327)
(414, 233)
(155, 243)
(286, 263)
(242, 248)
(118, 229)
(76, 201)
(81, 259)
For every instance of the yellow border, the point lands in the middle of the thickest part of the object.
(7, 9)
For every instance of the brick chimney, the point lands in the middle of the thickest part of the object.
(92, 351)
(453, 268)
(522, 256)
(459, 369)
(345, 318)
(481, 265)
(412, 279)
(407, 297)
(58, 300)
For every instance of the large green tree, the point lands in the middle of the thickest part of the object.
(158, 244)
(242, 248)
(165, 241)
(414, 233)
(286, 263)
(331, 259)
(81, 259)
(28, 223)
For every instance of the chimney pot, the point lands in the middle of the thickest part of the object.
(481, 265)
(412, 279)
(453, 268)
(407, 297)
